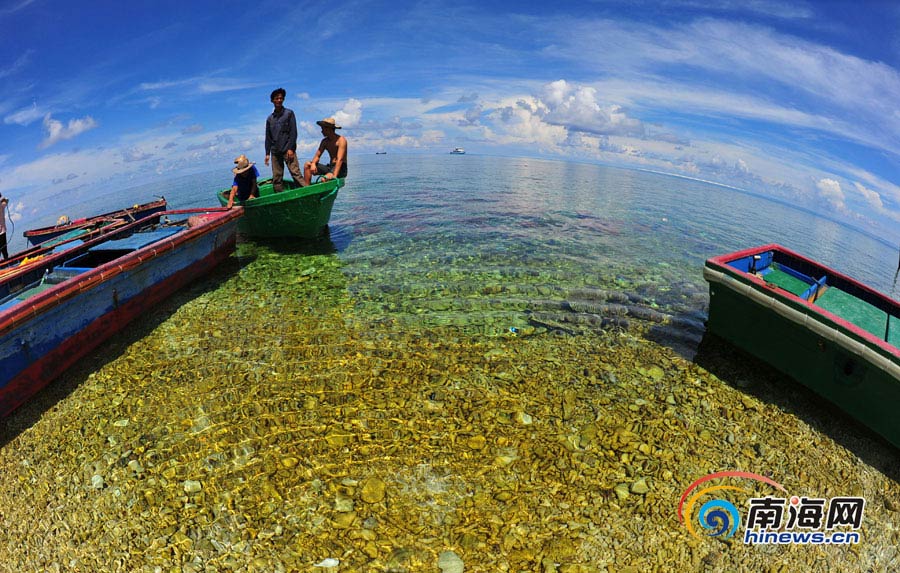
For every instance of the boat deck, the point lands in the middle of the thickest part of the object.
(783, 280)
(137, 240)
(840, 303)
(23, 295)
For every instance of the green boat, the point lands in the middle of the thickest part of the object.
(301, 212)
(826, 330)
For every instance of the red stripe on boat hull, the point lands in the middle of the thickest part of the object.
(40, 373)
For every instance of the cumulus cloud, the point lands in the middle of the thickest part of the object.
(57, 131)
(871, 197)
(578, 108)
(472, 115)
(350, 114)
(561, 109)
(523, 122)
(831, 191)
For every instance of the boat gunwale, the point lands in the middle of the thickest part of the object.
(292, 194)
(87, 221)
(719, 265)
(20, 314)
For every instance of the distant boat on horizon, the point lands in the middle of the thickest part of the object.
(381, 153)
(458, 151)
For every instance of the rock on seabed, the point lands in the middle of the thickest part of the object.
(450, 562)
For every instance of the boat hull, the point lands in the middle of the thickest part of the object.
(46, 334)
(856, 370)
(37, 236)
(301, 212)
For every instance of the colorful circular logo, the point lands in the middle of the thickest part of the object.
(718, 517)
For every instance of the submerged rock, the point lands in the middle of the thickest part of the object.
(450, 562)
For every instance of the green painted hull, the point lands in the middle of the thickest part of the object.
(301, 212)
(838, 360)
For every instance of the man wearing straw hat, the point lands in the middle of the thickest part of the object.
(245, 185)
(336, 146)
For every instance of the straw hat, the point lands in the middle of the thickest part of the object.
(242, 163)
(328, 122)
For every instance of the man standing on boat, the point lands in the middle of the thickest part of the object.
(281, 141)
(3, 203)
(336, 146)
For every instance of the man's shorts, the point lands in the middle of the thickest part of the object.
(322, 169)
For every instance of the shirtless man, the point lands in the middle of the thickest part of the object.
(336, 146)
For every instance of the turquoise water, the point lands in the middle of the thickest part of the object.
(486, 356)
(493, 245)
(590, 213)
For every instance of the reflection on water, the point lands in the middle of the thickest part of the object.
(486, 360)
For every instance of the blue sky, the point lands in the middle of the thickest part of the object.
(797, 100)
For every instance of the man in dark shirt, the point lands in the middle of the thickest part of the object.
(281, 142)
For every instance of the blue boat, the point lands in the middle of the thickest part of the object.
(59, 308)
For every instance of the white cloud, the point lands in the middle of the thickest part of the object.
(350, 114)
(25, 116)
(226, 85)
(578, 108)
(57, 131)
(20, 63)
(749, 70)
(6, 10)
(871, 197)
(831, 191)
(559, 110)
(521, 122)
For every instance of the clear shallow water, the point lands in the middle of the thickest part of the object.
(473, 361)
(497, 245)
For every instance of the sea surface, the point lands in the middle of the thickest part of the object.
(499, 363)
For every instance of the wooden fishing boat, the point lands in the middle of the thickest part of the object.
(129, 214)
(69, 240)
(301, 212)
(55, 311)
(824, 329)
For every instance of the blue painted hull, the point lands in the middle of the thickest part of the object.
(46, 333)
